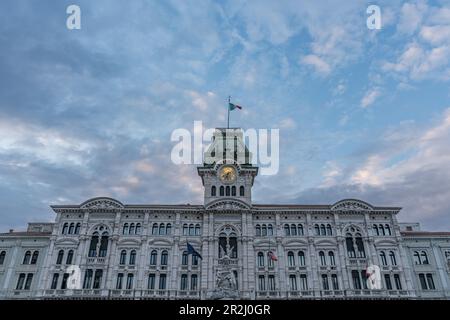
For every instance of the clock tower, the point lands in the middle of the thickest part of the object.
(227, 172)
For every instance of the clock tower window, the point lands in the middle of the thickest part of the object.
(213, 191)
(222, 191)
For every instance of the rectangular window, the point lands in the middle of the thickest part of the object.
(64, 281)
(398, 283)
(28, 281)
(130, 280)
(194, 282)
(387, 281)
(334, 280)
(183, 285)
(364, 279)
(272, 286)
(119, 281)
(325, 285)
(262, 283)
(430, 282)
(423, 283)
(55, 281)
(304, 282)
(87, 279)
(293, 282)
(356, 280)
(20, 281)
(151, 281)
(162, 281)
(98, 278)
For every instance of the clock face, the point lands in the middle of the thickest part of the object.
(227, 174)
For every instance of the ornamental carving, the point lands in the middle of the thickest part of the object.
(102, 203)
(351, 205)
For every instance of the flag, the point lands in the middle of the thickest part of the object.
(233, 106)
(272, 256)
(191, 250)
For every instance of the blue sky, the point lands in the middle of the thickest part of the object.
(362, 113)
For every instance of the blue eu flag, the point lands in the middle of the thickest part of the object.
(191, 250)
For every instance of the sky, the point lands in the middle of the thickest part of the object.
(362, 113)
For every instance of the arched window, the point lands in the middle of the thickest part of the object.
(291, 260)
(241, 191)
(227, 191)
(162, 229)
(388, 229)
(125, 228)
(360, 246)
(103, 245)
(60, 257)
(300, 229)
(93, 246)
(417, 258)
(185, 229)
(138, 228)
(153, 257)
(69, 258)
(301, 258)
(191, 230)
(287, 231)
(350, 248)
(132, 260)
(258, 230)
(424, 257)
(260, 259)
(77, 228)
(164, 256)
(72, 228)
(184, 258)
(269, 230)
(155, 228)
(233, 191)
(329, 231)
(323, 261)
(65, 228)
(383, 258)
(168, 228)
(130, 279)
(54, 281)
(132, 228)
(222, 191)
(123, 257)
(264, 230)
(322, 230)
(375, 227)
(381, 229)
(34, 257)
(317, 230)
(331, 258)
(325, 284)
(293, 230)
(213, 191)
(197, 229)
(392, 257)
(2, 257)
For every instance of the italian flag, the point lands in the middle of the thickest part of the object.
(233, 106)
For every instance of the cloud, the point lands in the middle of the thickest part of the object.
(370, 97)
(410, 167)
(319, 64)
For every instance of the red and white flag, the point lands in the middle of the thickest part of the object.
(272, 256)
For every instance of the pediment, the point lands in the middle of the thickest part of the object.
(351, 205)
(228, 204)
(102, 203)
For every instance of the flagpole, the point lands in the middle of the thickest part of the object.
(228, 107)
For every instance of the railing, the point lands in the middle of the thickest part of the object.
(139, 294)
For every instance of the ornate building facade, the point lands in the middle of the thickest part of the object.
(103, 248)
